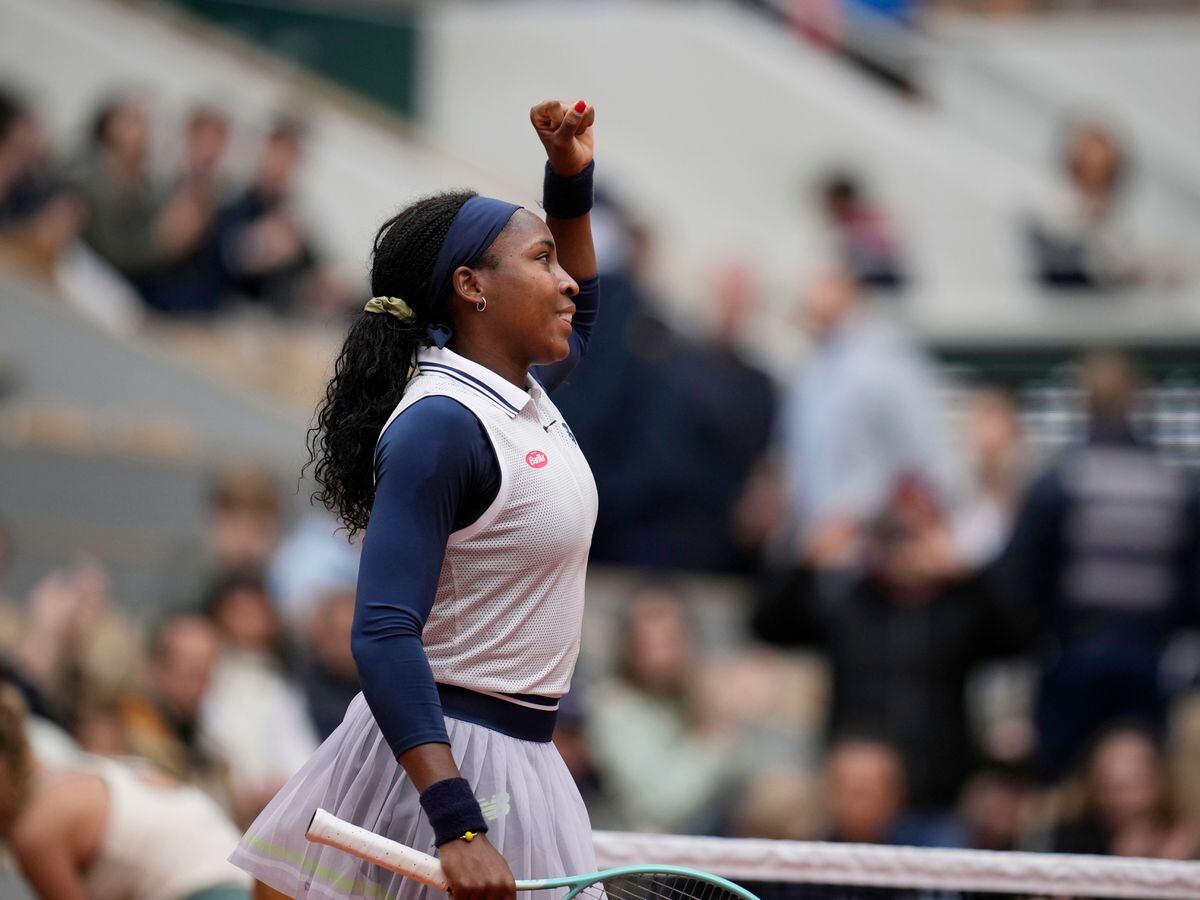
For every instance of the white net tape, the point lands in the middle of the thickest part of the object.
(1039, 874)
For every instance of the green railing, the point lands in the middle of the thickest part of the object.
(1017, 367)
(368, 48)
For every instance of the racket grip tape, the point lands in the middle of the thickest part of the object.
(326, 828)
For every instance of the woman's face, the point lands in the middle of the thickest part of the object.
(1095, 159)
(128, 132)
(529, 295)
(1126, 778)
(658, 645)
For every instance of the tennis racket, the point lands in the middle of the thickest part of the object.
(626, 883)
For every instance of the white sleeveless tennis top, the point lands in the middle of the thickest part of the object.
(509, 605)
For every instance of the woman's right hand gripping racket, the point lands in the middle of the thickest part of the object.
(648, 882)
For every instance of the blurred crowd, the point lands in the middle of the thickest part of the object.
(190, 714)
(1002, 637)
(998, 647)
(133, 223)
(123, 233)
(999, 655)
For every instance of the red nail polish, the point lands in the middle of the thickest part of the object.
(580, 106)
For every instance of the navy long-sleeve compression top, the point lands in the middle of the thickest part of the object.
(435, 473)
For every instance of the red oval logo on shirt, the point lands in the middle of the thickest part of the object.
(536, 459)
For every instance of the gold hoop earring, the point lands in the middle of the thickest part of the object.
(481, 305)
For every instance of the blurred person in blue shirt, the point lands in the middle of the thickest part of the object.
(863, 414)
(1105, 552)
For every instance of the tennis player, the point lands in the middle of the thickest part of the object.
(437, 431)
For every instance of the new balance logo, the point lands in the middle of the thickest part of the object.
(495, 806)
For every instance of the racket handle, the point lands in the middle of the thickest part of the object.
(326, 828)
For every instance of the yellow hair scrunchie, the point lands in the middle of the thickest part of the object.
(392, 306)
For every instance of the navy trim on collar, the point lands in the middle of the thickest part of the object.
(503, 393)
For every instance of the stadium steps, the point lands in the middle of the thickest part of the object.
(106, 445)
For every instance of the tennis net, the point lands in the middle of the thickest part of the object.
(792, 870)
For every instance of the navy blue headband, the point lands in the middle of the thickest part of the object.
(474, 228)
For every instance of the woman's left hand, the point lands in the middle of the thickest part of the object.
(566, 133)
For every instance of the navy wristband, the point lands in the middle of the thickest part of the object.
(568, 197)
(452, 810)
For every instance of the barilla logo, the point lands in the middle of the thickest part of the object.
(536, 459)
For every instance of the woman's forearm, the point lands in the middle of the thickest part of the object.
(427, 764)
(576, 252)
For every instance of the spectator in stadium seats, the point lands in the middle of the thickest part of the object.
(268, 248)
(253, 716)
(240, 534)
(328, 675)
(1087, 241)
(1127, 805)
(1105, 553)
(903, 640)
(11, 627)
(114, 178)
(864, 791)
(863, 413)
(314, 561)
(32, 235)
(191, 279)
(865, 796)
(998, 806)
(43, 246)
(664, 768)
(708, 414)
(133, 224)
(993, 436)
(162, 723)
(34, 244)
(73, 645)
(866, 242)
(42, 216)
(778, 805)
(24, 156)
(1002, 693)
(103, 830)
(600, 397)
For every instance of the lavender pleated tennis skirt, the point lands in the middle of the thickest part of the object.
(536, 817)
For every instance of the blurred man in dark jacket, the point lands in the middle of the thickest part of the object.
(1105, 553)
(903, 640)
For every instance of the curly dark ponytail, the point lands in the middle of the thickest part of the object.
(373, 367)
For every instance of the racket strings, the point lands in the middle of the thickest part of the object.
(651, 886)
